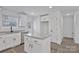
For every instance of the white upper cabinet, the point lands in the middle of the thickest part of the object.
(44, 17)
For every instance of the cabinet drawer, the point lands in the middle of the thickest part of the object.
(36, 41)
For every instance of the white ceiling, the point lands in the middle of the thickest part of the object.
(29, 9)
(35, 10)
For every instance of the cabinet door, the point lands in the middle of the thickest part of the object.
(2, 44)
(16, 39)
(12, 40)
(8, 41)
(46, 45)
(27, 44)
(36, 45)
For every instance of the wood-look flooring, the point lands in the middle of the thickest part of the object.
(67, 46)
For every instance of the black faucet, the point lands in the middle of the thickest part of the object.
(11, 29)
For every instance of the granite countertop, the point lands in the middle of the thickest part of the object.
(38, 36)
(7, 32)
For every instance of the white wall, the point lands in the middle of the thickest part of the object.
(36, 24)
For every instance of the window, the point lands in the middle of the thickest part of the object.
(9, 21)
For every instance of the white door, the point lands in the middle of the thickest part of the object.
(57, 28)
(76, 27)
(68, 26)
(53, 29)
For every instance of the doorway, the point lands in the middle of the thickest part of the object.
(44, 27)
(68, 21)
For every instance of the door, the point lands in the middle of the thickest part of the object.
(57, 28)
(68, 25)
(76, 27)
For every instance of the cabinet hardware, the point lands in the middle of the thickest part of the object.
(3, 41)
(14, 39)
(72, 33)
(0, 37)
(35, 41)
(27, 38)
(31, 45)
(51, 30)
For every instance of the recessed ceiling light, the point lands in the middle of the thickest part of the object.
(32, 13)
(68, 14)
(50, 6)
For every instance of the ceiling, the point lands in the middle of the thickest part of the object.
(36, 10)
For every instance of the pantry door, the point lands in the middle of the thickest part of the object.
(76, 27)
(57, 28)
(68, 26)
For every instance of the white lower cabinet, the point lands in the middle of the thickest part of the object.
(10, 40)
(16, 39)
(35, 45)
(27, 44)
(2, 44)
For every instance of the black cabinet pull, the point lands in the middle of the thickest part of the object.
(14, 39)
(35, 41)
(3, 41)
(27, 38)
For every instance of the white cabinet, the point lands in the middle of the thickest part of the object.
(16, 39)
(27, 44)
(9, 40)
(2, 43)
(36, 45)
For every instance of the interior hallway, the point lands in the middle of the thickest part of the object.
(67, 46)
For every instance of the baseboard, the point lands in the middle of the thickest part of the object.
(68, 37)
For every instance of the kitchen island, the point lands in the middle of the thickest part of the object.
(37, 43)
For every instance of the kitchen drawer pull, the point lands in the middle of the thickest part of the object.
(35, 41)
(0, 37)
(3, 41)
(14, 39)
(27, 38)
(31, 45)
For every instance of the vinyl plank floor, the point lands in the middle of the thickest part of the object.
(67, 46)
